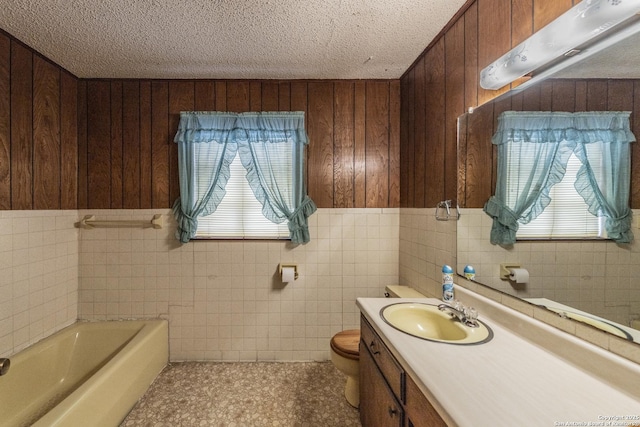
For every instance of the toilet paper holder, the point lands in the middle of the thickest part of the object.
(505, 270)
(295, 269)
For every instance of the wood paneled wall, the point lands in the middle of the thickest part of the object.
(38, 130)
(444, 82)
(69, 143)
(478, 157)
(127, 158)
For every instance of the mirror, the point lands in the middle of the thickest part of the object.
(594, 282)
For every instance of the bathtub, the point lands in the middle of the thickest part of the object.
(88, 374)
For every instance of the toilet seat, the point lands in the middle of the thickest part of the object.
(346, 343)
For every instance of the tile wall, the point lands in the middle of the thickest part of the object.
(38, 276)
(426, 244)
(223, 299)
(599, 277)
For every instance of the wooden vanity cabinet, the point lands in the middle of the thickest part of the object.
(388, 396)
(378, 405)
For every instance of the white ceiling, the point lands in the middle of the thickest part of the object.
(246, 39)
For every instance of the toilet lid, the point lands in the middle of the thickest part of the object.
(346, 343)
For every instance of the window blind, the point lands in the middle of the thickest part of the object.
(239, 214)
(567, 216)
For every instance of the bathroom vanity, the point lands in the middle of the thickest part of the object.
(545, 378)
(388, 395)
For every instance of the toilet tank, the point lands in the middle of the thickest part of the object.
(396, 291)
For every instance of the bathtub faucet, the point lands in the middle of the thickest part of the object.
(4, 365)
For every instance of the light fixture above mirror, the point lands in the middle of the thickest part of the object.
(579, 32)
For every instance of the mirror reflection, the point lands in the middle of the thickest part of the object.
(592, 281)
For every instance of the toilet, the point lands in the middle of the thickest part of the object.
(346, 357)
(345, 354)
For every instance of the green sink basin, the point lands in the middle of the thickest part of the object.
(426, 321)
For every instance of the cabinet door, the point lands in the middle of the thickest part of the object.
(419, 412)
(378, 406)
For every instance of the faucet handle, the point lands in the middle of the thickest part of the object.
(471, 316)
(457, 305)
(471, 313)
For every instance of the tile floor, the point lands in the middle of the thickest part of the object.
(245, 395)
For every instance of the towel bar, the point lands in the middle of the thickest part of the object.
(89, 221)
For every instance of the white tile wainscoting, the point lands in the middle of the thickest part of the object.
(223, 299)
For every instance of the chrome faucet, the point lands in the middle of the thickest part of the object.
(466, 315)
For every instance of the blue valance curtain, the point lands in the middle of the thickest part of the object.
(550, 138)
(207, 144)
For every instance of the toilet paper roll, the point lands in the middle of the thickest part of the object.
(519, 275)
(288, 274)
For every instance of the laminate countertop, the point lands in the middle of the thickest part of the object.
(510, 381)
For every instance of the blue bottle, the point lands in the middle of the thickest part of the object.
(447, 283)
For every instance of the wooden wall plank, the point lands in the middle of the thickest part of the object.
(394, 144)
(270, 98)
(5, 122)
(377, 144)
(620, 93)
(521, 25)
(99, 144)
(205, 95)
(68, 141)
(420, 134)
(580, 101)
(454, 104)
(546, 95)
(284, 96)
(409, 161)
(221, 96)
(320, 129)
(479, 155)
(21, 127)
(597, 95)
(181, 98)
(359, 149)
(545, 11)
(146, 150)
(521, 21)
(46, 134)
(471, 71)
(83, 161)
(404, 142)
(494, 38)
(299, 98)
(435, 122)
(255, 96)
(299, 103)
(116, 145)
(160, 169)
(343, 164)
(563, 95)
(462, 163)
(238, 96)
(131, 144)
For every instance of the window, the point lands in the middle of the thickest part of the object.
(567, 216)
(239, 214)
(242, 176)
(558, 173)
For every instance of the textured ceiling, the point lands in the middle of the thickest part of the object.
(250, 39)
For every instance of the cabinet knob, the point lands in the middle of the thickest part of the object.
(372, 347)
(392, 412)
